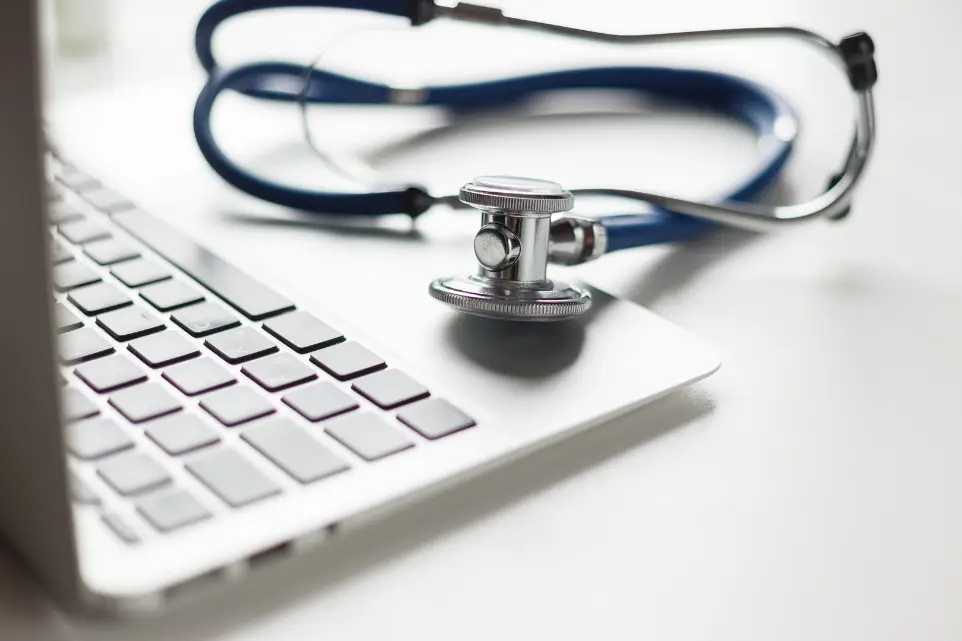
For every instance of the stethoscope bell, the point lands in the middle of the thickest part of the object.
(512, 248)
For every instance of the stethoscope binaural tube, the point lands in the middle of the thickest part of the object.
(672, 220)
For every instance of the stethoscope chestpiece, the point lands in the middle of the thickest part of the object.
(512, 252)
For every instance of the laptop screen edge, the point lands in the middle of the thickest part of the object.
(35, 513)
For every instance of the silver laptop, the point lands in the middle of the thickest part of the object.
(168, 420)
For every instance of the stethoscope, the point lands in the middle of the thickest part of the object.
(518, 236)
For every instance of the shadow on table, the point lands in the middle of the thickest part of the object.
(315, 575)
(520, 349)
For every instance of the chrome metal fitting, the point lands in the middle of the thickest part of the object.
(520, 196)
(512, 248)
(573, 241)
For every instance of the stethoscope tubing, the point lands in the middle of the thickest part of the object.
(767, 114)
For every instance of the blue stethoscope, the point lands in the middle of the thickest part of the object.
(519, 236)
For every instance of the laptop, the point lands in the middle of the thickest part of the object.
(171, 420)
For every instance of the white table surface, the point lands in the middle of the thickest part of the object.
(809, 490)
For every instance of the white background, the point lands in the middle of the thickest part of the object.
(809, 490)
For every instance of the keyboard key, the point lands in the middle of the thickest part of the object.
(109, 251)
(59, 253)
(144, 402)
(82, 231)
(66, 320)
(180, 433)
(61, 212)
(246, 295)
(120, 527)
(435, 418)
(205, 319)
(278, 371)
(172, 510)
(76, 179)
(390, 388)
(132, 473)
(98, 298)
(131, 322)
(302, 332)
(236, 405)
(139, 272)
(75, 405)
(293, 450)
(171, 294)
(166, 348)
(96, 438)
(319, 401)
(347, 360)
(106, 200)
(80, 491)
(71, 274)
(83, 345)
(232, 477)
(240, 344)
(110, 373)
(368, 436)
(198, 376)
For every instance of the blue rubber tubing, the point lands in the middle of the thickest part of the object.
(754, 105)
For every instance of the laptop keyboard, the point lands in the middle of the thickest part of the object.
(187, 351)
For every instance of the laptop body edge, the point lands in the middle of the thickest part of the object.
(35, 518)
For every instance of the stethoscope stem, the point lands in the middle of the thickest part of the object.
(833, 203)
(492, 16)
